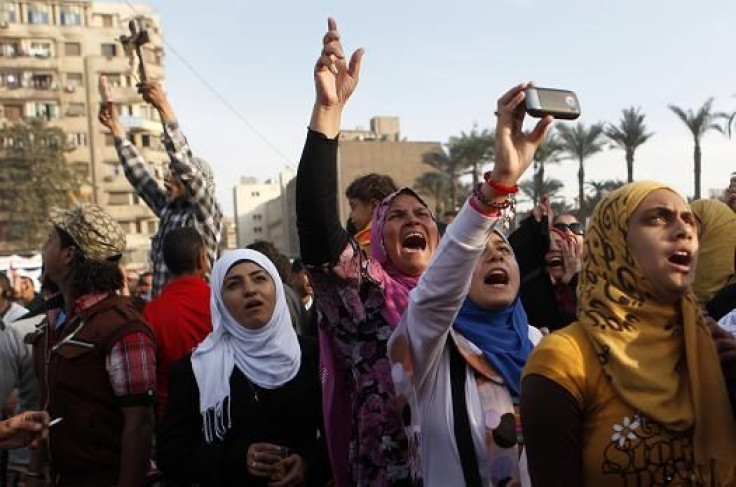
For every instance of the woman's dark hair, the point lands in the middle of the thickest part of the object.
(87, 275)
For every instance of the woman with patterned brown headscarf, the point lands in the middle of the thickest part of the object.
(633, 392)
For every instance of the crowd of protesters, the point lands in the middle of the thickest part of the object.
(397, 350)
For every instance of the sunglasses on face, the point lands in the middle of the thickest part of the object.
(576, 228)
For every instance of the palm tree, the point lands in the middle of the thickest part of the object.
(548, 152)
(698, 123)
(448, 161)
(476, 148)
(628, 135)
(436, 185)
(534, 190)
(600, 189)
(581, 142)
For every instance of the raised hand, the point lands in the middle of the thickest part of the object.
(334, 79)
(108, 116)
(153, 93)
(572, 258)
(334, 82)
(514, 148)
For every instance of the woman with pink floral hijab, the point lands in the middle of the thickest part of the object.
(360, 298)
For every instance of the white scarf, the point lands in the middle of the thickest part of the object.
(269, 356)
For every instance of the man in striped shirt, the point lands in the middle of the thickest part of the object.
(187, 198)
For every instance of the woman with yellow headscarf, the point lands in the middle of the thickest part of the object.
(715, 272)
(633, 392)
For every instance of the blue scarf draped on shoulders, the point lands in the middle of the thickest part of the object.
(502, 335)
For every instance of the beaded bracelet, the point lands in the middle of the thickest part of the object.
(478, 195)
(501, 188)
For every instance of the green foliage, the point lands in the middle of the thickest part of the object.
(580, 142)
(34, 177)
(534, 189)
(629, 134)
(437, 185)
(699, 123)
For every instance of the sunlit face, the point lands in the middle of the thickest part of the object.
(555, 260)
(361, 212)
(174, 188)
(249, 295)
(663, 238)
(409, 235)
(495, 282)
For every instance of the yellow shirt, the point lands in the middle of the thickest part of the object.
(620, 446)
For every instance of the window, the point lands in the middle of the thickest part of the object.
(109, 50)
(77, 139)
(136, 199)
(257, 230)
(38, 13)
(74, 80)
(71, 15)
(72, 49)
(42, 109)
(9, 49)
(41, 81)
(118, 199)
(151, 227)
(114, 80)
(145, 140)
(13, 112)
(11, 13)
(257, 217)
(255, 194)
(10, 80)
(40, 49)
(107, 20)
(75, 110)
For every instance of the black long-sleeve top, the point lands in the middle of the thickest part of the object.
(321, 236)
(538, 295)
(290, 416)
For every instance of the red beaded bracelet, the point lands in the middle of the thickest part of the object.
(501, 188)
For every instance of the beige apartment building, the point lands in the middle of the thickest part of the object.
(52, 54)
(379, 149)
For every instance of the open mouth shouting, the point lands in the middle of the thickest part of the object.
(681, 261)
(555, 261)
(496, 278)
(414, 241)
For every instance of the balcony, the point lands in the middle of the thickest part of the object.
(140, 124)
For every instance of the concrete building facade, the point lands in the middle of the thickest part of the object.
(52, 54)
(378, 150)
(260, 208)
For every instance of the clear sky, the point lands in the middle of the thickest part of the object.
(440, 67)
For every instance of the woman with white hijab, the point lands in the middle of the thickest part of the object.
(244, 408)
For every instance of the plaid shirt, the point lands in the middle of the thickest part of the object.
(199, 209)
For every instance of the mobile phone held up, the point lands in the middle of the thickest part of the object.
(561, 104)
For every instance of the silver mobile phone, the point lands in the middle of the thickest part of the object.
(562, 104)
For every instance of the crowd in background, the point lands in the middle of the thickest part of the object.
(396, 350)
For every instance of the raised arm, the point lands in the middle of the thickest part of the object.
(194, 175)
(436, 300)
(321, 235)
(135, 166)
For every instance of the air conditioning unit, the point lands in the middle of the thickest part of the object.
(70, 88)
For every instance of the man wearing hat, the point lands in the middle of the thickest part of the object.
(94, 358)
(187, 198)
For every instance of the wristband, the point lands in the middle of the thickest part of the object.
(478, 195)
(501, 188)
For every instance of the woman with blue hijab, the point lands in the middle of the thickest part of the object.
(464, 339)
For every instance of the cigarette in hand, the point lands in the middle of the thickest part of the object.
(56, 421)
